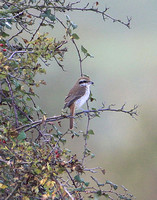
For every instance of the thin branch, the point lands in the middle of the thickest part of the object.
(66, 192)
(16, 52)
(58, 63)
(12, 17)
(92, 170)
(86, 134)
(103, 13)
(79, 55)
(36, 31)
(98, 184)
(132, 112)
(11, 194)
(16, 34)
(13, 102)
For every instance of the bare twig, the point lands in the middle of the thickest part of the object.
(16, 34)
(16, 52)
(85, 136)
(79, 56)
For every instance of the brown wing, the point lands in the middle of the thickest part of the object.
(74, 94)
(71, 99)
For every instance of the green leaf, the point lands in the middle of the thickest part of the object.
(33, 1)
(3, 76)
(48, 12)
(86, 184)
(91, 132)
(21, 136)
(74, 25)
(5, 6)
(67, 17)
(112, 184)
(28, 99)
(106, 195)
(78, 179)
(123, 197)
(15, 40)
(99, 192)
(115, 187)
(75, 133)
(17, 84)
(52, 17)
(75, 36)
(37, 171)
(8, 25)
(83, 50)
(92, 155)
(43, 15)
(81, 189)
(59, 133)
(3, 34)
(50, 25)
(48, 167)
(63, 140)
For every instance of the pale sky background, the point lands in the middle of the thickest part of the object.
(124, 69)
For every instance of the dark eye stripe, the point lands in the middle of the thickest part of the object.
(84, 81)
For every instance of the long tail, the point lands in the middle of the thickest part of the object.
(72, 110)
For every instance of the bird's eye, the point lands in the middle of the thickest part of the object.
(82, 81)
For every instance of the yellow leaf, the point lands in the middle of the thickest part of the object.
(25, 198)
(6, 67)
(22, 87)
(45, 196)
(43, 119)
(43, 181)
(3, 186)
(43, 167)
(48, 166)
(50, 184)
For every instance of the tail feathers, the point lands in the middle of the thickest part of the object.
(72, 110)
(71, 123)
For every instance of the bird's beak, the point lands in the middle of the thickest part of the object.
(92, 82)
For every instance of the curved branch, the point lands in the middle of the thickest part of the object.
(132, 112)
(69, 7)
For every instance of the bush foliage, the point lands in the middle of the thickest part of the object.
(42, 167)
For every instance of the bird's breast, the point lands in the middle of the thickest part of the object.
(79, 103)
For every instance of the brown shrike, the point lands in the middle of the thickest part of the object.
(77, 96)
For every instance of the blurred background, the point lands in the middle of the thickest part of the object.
(124, 70)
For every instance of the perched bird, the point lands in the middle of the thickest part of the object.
(77, 96)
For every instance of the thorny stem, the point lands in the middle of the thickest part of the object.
(132, 112)
(70, 8)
